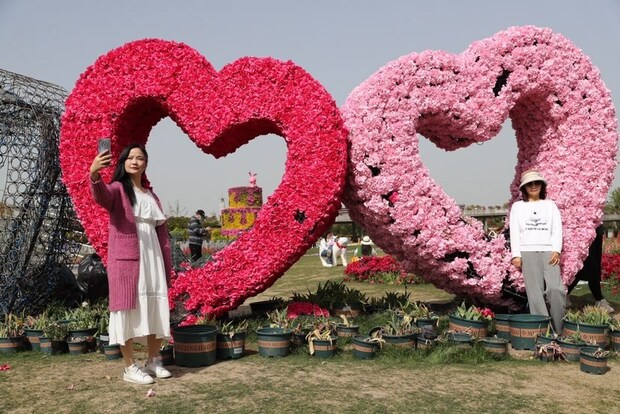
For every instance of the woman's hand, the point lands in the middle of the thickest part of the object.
(101, 161)
(555, 258)
(516, 262)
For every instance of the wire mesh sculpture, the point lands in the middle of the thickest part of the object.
(39, 232)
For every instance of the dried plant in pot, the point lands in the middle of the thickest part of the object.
(231, 339)
(550, 352)
(419, 313)
(346, 329)
(399, 331)
(274, 340)
(365, 346)
(322, 337)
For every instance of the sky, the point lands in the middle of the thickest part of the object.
(340, 43)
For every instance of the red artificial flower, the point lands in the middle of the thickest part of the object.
(296, 309)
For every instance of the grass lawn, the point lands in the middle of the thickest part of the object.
(307, 273)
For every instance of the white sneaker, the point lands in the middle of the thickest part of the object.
(603, 304)
(156, 367)
(136, 375)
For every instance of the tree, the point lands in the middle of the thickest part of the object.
(613, 201)
(175, 210)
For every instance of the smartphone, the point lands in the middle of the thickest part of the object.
(103, 145)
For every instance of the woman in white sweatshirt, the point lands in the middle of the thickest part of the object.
(536, 243)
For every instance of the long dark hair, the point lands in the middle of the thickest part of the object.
(121, 175)
(543, 192)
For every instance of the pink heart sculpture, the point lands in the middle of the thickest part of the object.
(565, 126)
(128, 90)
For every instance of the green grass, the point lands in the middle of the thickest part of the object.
(307, 273)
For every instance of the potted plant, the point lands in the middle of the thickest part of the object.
(427, 338)
(346, 329)
(112, 352)
(322, 338)
(399, 331)
(365, 346)
(299, 333)
(502, 325)
(526, 328)
(591, 322)
(275, 339)
(231, 339)
(102, 330)
(196, 345)
(83, 324)
(166, 352)
(54, 340)
(11, 333)
(460, 339)
(593, 360)
(545, 338)
(550, 352)
(614, 326)
(571, 345)
(471, 319)
(420, 313)
(495, 345)
(77, 344)
(34, 329)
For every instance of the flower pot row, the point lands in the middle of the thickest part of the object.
(522, 329)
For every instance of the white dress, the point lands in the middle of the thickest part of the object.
(151, 315)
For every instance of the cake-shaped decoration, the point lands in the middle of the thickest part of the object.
(244, 203)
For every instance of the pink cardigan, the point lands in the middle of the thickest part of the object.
(123, 247)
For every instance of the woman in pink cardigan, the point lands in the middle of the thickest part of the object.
(139, 261)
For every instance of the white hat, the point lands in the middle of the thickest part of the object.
(366, 241)
(530, 176)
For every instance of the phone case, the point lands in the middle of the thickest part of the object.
(103, 145)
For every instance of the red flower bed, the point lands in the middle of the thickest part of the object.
(383, 269)
(610, 271)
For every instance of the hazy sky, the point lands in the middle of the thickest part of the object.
(340, 43)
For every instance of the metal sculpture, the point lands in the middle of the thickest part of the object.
(39, 233)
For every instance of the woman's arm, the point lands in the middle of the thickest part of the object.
(556, 228)
(556, 234)
(515, 237)
(100, 190)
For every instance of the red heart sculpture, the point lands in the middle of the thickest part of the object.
(565, 125)
(128, 90)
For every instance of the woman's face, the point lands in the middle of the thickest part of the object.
(135, 164)
(533, 190)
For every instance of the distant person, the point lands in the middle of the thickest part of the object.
(365, 248)
(139, 261)
(591, 271)
(196, 235)
(536, 243)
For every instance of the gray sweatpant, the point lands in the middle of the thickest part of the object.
(543, 279)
